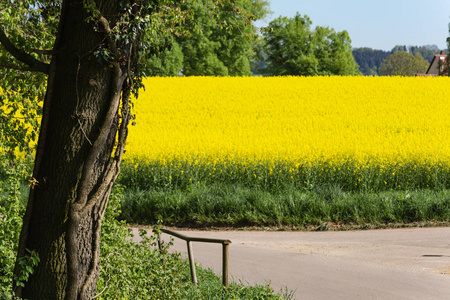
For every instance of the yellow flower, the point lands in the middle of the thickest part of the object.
(303, 121)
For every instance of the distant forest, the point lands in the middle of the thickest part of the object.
(369, 60)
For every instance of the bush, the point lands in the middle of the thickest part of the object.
(136, 271)
(128, 270)
(140, 271)
(13, 175)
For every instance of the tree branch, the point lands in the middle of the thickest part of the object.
(19, 68)
(107, 31)
(33, 63)
(42, 52)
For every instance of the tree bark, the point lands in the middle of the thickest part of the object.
(78, 157)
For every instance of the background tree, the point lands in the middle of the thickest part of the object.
(167, 59)
(333, 50)
(428, 51)
(258, 62)
(369, 60)
(215, 46)
(446, 69)
(22, 93)
(293, 48)
(398, 48)
(403, 63)
(92, 66)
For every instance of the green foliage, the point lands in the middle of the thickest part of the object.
(217, 43)
(333, 51)
(21, 92)
(11, 212)
(446, 69)
(399, 48)
(210, 287)
(136, 271)
(293, 48)
(402, 63)
(26, 266)
(428, 52)
(168, 62)
(201, 59)
(369, 60)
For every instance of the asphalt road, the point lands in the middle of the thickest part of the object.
(373, 264)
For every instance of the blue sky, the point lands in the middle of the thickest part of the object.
(378, 24)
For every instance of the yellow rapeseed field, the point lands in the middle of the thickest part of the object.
(374, 120)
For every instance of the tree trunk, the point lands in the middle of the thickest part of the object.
(75, 165)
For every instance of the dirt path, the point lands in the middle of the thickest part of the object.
(373, 264)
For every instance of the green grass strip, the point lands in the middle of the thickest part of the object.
(236, 205)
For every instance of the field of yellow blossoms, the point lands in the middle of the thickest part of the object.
(356, 132)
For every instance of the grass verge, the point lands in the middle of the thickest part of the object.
(235, 205)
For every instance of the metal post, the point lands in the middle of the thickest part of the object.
(225, 264)
(225, 244)
(192, 263)
(159, 242)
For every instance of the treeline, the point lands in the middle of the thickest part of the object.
(370, 60)
(290, 46)
(217, 47)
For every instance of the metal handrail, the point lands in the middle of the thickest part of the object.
(190, 239)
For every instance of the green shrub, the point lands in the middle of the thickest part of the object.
(11, 211)
(128, 270)
(136, 271)
(140, 271)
